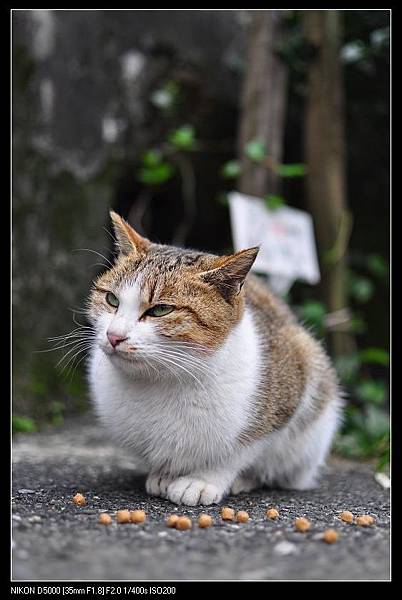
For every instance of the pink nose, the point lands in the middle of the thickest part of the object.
(115, 339)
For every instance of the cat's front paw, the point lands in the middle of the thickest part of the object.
(193, 491)
(157, 484)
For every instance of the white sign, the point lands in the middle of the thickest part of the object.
(285, 236)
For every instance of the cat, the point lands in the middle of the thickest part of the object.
(205, 375)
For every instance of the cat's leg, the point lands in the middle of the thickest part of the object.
(210, 486)
(294, 458)
(203, 487)
(245, 482)
(157, 483)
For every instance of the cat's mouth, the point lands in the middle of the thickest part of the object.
(126, 355)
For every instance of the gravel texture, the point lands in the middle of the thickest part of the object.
(53, 539)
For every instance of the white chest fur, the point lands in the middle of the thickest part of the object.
(182, 425)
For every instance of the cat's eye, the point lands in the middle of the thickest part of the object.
(112, 300)
(160, 310)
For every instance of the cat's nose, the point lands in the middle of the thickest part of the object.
(115, 339)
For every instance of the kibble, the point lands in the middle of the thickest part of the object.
(364, 520)
(302, 524)
(172, 520)
(330, 536)
(79, 500)
(183, 523)
(138, 516)
(123, 516)
(272, 513)
(205, 521)
(228, 514)
(242, 516)
(105, 519)
(346, 516)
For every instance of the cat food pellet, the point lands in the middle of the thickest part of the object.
(346, 516)
(183, 523)
(205, 521)
(172, 520)
(137, 516)
(79, 500)
(364, 520)
(330, 536)
(123, 516)
(227, 514)
(242, 516)
(272, 513)
(105, 519)
(302, 524)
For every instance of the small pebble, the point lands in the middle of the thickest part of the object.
(34, 519)
(330, 536)
(383, 480)
(302, 524)
(272, 513)
(242, 516)
(205, 521)
(79, 500)
(138, 516)
(285, 548)
(183, 523)
(105, 519)
(228, 514)
(123, 516)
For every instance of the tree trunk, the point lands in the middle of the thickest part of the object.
(325, 158)
(263, 103)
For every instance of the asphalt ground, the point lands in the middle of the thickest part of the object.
(53, 539)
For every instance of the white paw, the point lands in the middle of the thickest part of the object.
(190, 491)
(243, 484)
(157, 484)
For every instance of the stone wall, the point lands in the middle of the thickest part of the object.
(81, 116)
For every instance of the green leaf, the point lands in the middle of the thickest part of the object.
(358, 324)
(347, 366)
(222, 199)
(255, 150)
(231, 169)
(361, 288)
(377, 356)
(371, 391)
(151, 158)
(165, 97)
(377, 265)
(314, 312)
(274, 202)
(350, 445)
(23, 424)
(292, 170)
(155, 175)
(384, 454)
(377, 423)
(183, 137)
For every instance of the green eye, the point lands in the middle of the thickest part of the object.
(112, 300)
(160, 310)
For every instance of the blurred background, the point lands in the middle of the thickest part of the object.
(158, 114)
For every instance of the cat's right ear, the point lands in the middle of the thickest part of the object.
(127, 239)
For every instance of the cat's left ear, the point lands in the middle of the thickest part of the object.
(229, 272)
(127, 239)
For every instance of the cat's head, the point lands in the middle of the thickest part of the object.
(159, 305)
